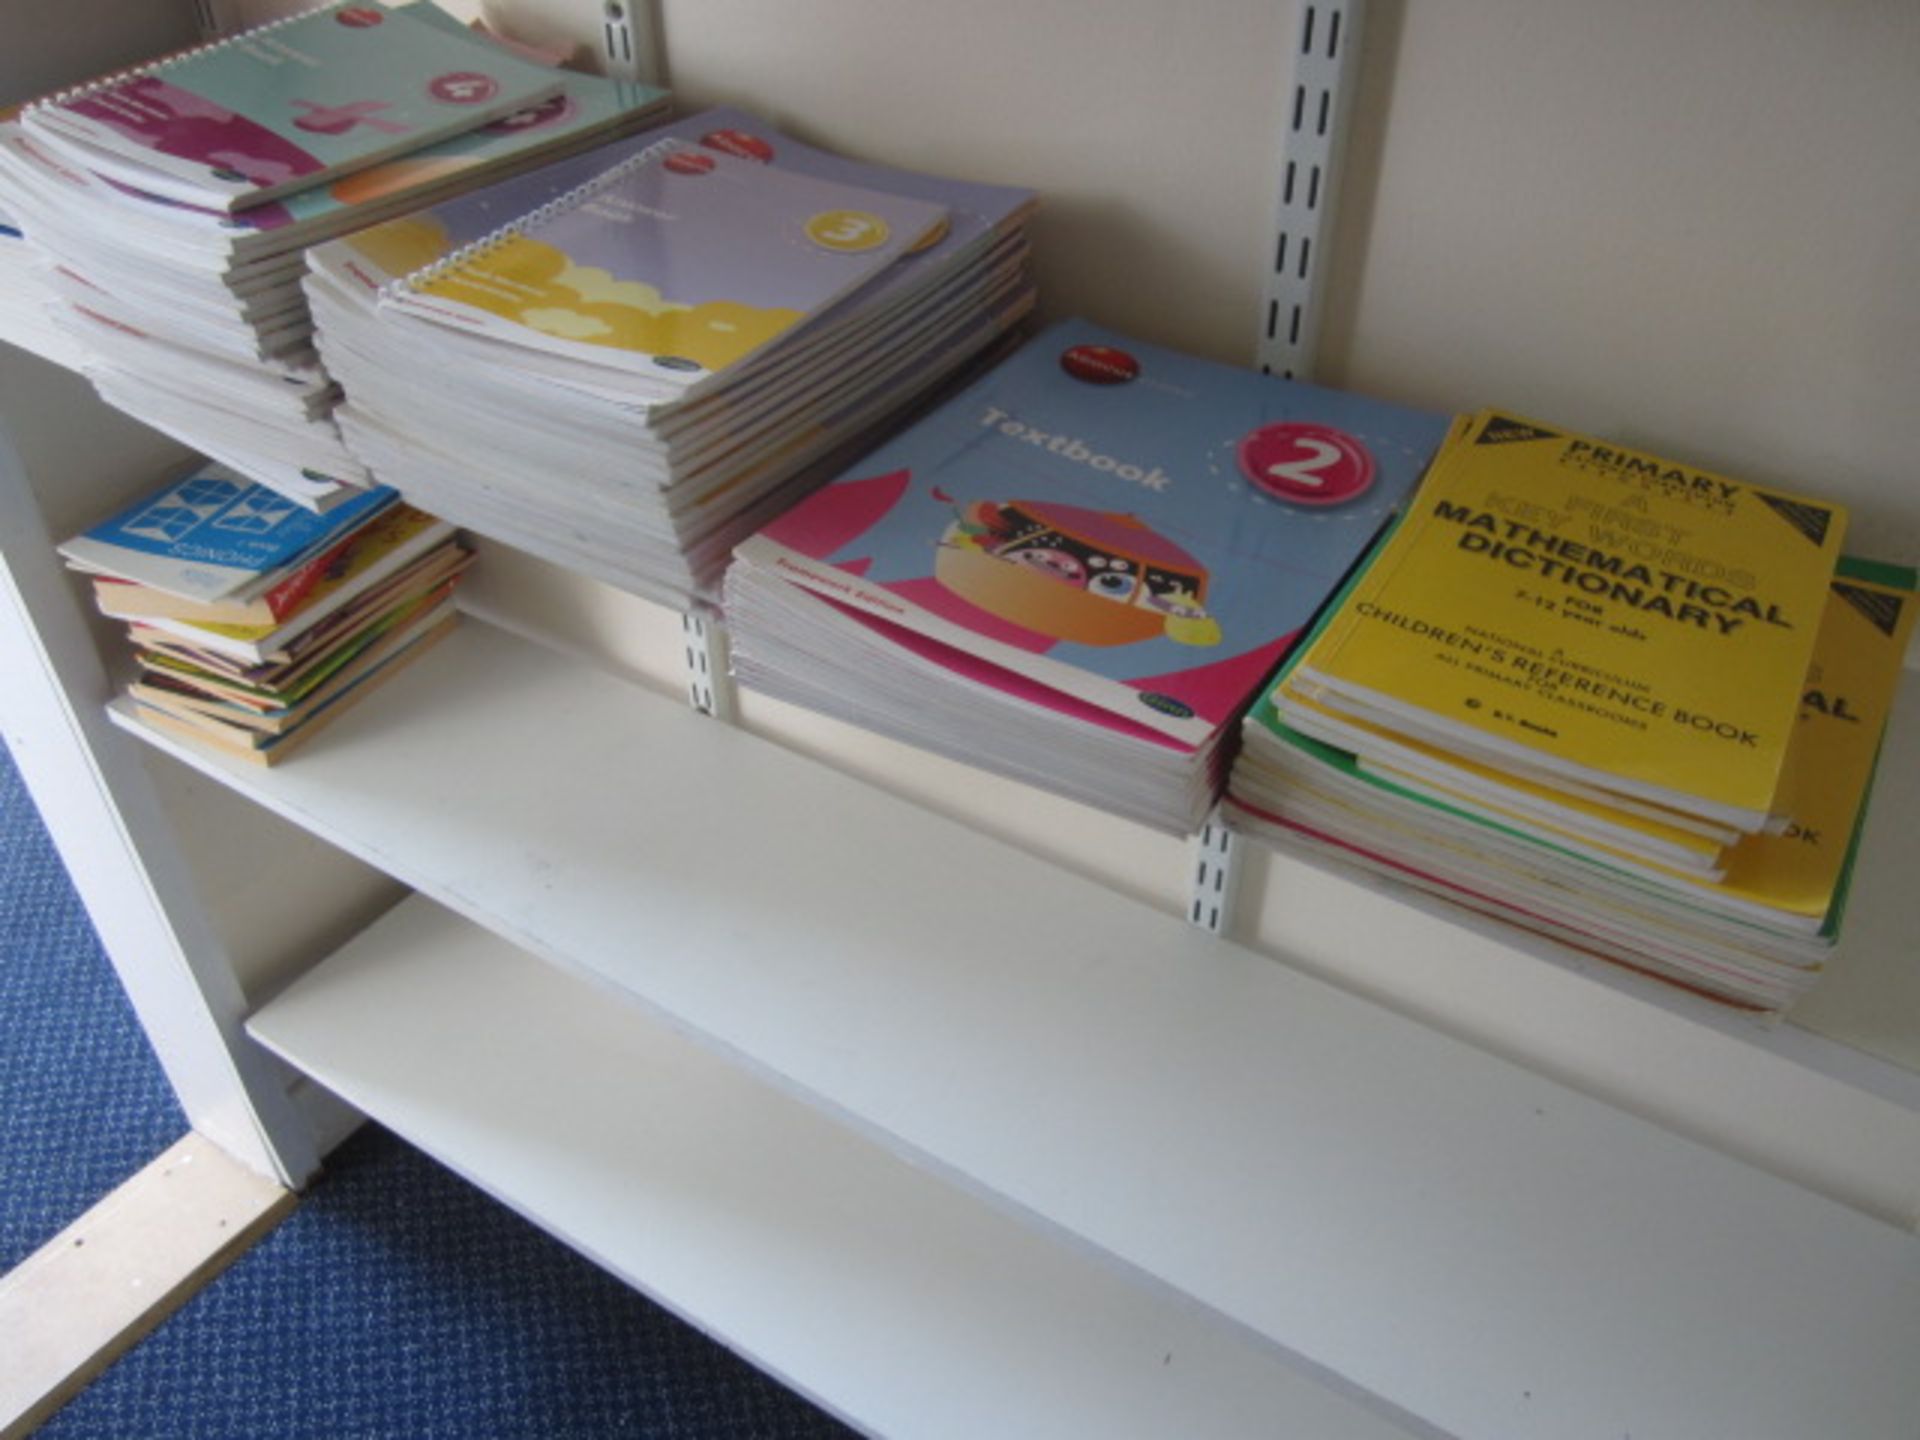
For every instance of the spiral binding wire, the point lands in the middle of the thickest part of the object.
(149, 67)
(566, 200)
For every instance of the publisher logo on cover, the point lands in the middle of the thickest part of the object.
(463, 87)
(738, 142)
(1100, 365)
(1166, 705)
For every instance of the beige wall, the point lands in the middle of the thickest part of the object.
(1687, 226)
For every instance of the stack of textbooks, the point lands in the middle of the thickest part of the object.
(1604, 695)
(170, 207)
(626, 363)
(26, 317)
(256, 621)
(1080, 570)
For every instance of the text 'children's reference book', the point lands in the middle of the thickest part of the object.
(287, 105)
(1758, 933)
(1081, 568)
(1592, 616)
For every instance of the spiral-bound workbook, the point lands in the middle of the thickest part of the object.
(287, 105)
(670, 268)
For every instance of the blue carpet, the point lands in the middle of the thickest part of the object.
(397, 1301)
(82, 1101)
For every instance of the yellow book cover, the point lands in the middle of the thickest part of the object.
(1598, 613)
(1626, 830)
(1844, 708)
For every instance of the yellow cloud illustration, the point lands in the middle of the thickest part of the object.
(598, 287)
(568, 323)
(533, 284)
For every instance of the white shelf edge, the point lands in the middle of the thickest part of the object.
(1297, 1160)
(1788, 1040)
(889, 1299)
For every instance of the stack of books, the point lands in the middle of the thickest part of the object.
(170, 207)
(1080, 570)
(256, 621)
(26, 317)
(1601, 694)
(626, 363)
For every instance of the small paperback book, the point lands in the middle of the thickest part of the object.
(1100, 531)
(287, 105)
(212, 535)
(387, 546)
(1589, 615)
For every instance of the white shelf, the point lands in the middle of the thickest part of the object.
(1386, 1205)
(754, 1217)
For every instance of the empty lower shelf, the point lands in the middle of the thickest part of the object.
(1461, 1240)
(892, 1300)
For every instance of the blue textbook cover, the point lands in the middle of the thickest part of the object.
(288, 104)
(1108, 528)
(212, 534)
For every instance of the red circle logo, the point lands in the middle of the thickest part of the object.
(687, 162)
(738, 142)
(1306, 464)
(1100, 365)
(463, 87)
(360, 17)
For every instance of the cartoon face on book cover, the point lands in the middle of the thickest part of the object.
(1134, 527)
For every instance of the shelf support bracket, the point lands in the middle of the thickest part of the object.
(709, 687)
(1216, 876)
(630, 42)
(1326, 73)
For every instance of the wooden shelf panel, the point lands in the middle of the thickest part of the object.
(892, 1300)
(1303, 1163)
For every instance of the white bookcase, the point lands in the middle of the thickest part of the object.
(916, 1087)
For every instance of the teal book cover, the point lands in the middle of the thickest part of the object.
(289, 104)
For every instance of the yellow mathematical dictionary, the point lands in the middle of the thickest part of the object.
(1625, 830)
(1845, 704)
(1597, 614)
